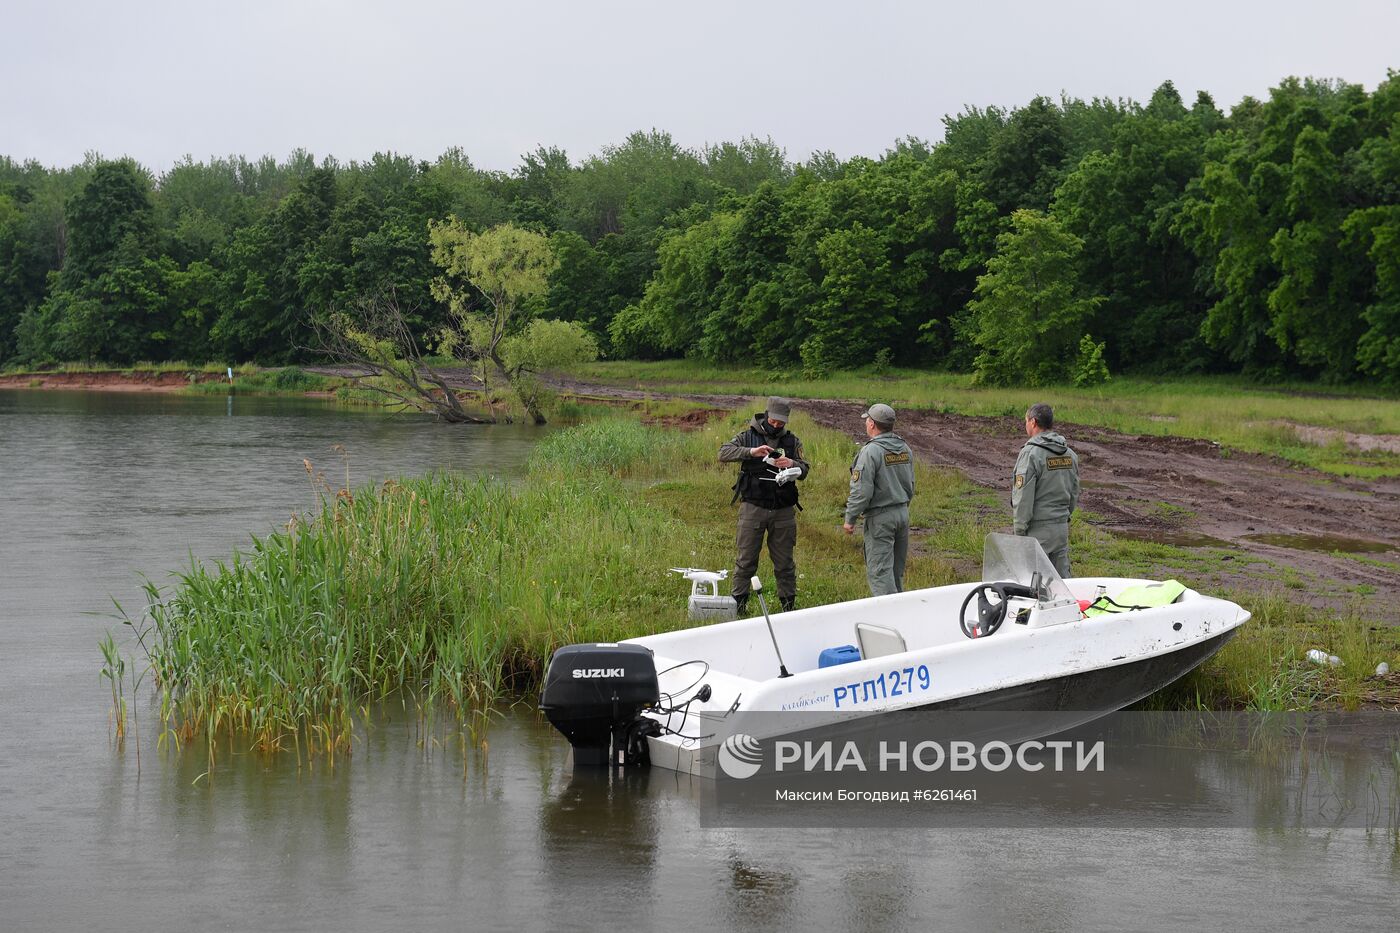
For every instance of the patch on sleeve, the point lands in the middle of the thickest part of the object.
(855, 476)
(1058, 463)
(1020, 480)
(897, 458)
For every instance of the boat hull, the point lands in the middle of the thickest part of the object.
(1056, 704)
(1099, 691)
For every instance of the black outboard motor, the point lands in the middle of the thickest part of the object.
(595, 694)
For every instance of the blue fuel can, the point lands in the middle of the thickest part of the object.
(842, 654)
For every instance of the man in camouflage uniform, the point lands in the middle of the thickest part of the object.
(768, 508)
(882, 483)
(1045, 487)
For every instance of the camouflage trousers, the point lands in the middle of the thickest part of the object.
(886, 547)
(780, 527)
(1054, 541)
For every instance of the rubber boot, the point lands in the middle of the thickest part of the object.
(788, 603)
(742, 602)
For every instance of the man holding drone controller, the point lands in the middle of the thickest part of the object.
(770, 463)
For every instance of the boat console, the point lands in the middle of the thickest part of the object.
(1026, 588)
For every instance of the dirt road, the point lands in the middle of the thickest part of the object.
(1183, 491)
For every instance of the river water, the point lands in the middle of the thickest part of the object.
(96, 489)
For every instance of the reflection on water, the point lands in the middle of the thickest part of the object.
(416, 831)
(764, 894)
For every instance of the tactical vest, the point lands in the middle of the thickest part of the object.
(751, 487)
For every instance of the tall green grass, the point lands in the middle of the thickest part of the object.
(444, 589)
(1265, 667)
(616, 446)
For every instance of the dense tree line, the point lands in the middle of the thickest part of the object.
(230, 259)
(1055, 241)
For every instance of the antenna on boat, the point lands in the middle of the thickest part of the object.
(757, 585)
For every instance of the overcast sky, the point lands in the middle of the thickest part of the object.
(159, 79)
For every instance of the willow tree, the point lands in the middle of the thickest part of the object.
(374, 341)
(493, 284)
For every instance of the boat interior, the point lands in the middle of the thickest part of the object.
(877, 626)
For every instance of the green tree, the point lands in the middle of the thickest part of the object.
(856, 317)
(581, 288)
(1028, 318)
(12, 270)
(743, 166)
(492, 283)
(270, 271)
(1377, 230)
(198, 206)
(191, 296)
(1022, 168)
(544, 346)
(33, 244)
(1229, 229)
(1089, 367)
(540, 188)
(1122, 203)
(107, 302)
(113, 212)
(1278, 221)
(623, 201)
(452, 185)
(750, 252)
(670, 319)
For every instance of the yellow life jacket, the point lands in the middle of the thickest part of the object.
(1138, 596)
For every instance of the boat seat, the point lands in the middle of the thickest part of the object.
(876, 641)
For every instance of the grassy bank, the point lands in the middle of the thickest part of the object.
(202, 379)
(212, 379)
(1230, 410)
(452, 592)
(170, 366)
(288, 380)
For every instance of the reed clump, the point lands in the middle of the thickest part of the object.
(445, 589)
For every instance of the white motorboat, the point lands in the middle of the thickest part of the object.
(1019, 640)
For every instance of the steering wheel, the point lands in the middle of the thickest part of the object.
(991, 607)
